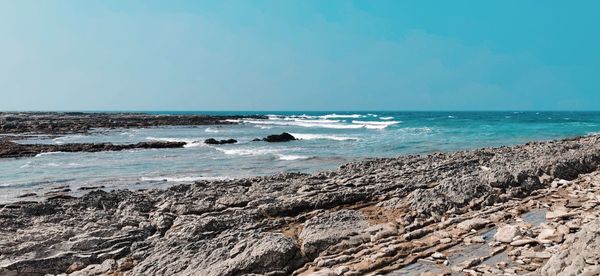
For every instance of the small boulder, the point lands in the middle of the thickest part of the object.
(284, 137)
(507, 233)
(548, 235)
(475, 224)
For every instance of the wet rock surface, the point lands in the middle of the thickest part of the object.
(403, 216)
(275, 138)
(10, 149)
(213, 141)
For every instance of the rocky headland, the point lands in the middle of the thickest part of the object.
(60, 123)
(529, 209)
(9, 149)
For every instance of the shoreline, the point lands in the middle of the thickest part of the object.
(389, 215)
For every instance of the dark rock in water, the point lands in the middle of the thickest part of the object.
(81, 122)
(91, 188)
(284, 137)
(10, 149)
(212, 141)
(256, 140)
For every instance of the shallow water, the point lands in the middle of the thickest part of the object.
(328, 139)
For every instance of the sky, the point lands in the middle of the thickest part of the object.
(299, 55)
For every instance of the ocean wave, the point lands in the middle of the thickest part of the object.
(189, 143)
(256, 152)
(49, 153)
(322, 121)
(333, 115)
(183, 178)
(386, 118)
(211, 130)
(309, 136)
(387, 123)
(306, 123)
(416, 130)
(375, 124)
(246, 152)
(291, 157)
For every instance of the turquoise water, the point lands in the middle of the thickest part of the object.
(328, 139)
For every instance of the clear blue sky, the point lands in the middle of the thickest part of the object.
(299, 55)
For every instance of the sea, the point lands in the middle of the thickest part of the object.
(326, 141)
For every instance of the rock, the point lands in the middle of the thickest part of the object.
(576, 252)
(477, 239)
(75, 267)
(445, 240)
(475, 224)
(81, 122)
(521, 242)
(438, 255)
(327, 229)
(10, 149)
(535, 255)
(507, 233)
(381, 231)
(212, 141)
(559, 213)
(283, 137)
(548, 235)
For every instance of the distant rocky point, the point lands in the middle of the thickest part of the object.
(10, 149)
(81, 122)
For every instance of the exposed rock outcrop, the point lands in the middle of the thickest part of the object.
(10, 149)
(82, 122)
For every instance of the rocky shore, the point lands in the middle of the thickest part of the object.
(530, 209)
(58, 123)
(10, 149)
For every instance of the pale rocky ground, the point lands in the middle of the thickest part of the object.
(531, 209)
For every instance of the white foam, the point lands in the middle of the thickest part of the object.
(184, 178)
(309, 136)
(386, 118)
(211, 130)
(291, 157)
(375, 124)
(306, 123)
(333, 115)
(246, 152)
(189, 143)
(416, 130)
(48, 153)
(322, 121)
(387, 123)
